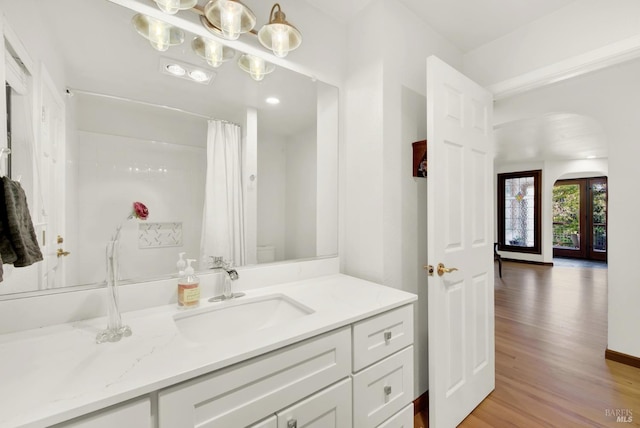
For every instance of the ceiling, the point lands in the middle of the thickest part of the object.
(468, 24)
(134, 72)
(553, 136)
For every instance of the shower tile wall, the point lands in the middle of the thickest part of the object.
(114, 172)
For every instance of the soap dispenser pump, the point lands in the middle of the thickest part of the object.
(189, 288)
(181, 264)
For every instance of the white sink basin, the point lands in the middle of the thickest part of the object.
(238, 317)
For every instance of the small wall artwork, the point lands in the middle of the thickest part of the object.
(420, 158)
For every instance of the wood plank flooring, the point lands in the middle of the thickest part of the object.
(551, 334)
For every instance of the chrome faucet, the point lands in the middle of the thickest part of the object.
(232, 275)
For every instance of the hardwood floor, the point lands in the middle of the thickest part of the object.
(551, 335)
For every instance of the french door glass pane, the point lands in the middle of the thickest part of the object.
(566, 216)
(519, 211)
(599, 206)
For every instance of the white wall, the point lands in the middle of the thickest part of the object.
(385, 214)
(301, 194)
(272, 181)
(575, 29)
(125, 155)
(327, 129)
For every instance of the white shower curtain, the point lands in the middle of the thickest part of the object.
(223, 217)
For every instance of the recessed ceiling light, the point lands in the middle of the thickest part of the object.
(183, 70)
(272, 100)
(175, 69)
(591, 157)
(198, 75)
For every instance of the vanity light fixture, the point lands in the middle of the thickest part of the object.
(591, 157)
(173, 6)
(231, 17)
(255, 66)
(160, 34)
(279, 35)
(272, 101)
(213, 52)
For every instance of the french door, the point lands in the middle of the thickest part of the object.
(580, 218)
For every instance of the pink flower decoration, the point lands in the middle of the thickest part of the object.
(140, 211)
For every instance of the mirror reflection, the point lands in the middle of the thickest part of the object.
(98, 122)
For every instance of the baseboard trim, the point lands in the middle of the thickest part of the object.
(529, 262)
(619, 357)
(421, 403)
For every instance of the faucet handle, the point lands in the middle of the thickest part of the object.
(217, 261)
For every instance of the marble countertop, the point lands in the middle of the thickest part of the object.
(56, 373)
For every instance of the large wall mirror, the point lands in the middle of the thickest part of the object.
(98, 121)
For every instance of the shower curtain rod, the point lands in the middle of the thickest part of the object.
(71, 91)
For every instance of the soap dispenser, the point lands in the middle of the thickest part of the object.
(189, 288)
(181, 264)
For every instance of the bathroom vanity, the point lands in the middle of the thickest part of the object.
(332, 351)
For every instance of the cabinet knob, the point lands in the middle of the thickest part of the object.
(387, 336)
(387, 390)
(292, 423)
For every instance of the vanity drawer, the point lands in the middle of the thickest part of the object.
(402, 419)
(329, 408)
(378, 337)
(383, 389)
(243, 394)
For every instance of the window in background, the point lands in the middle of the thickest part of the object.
(519, 211)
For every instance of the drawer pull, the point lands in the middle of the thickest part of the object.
(387, 336)
(292, 423)
(387, 390)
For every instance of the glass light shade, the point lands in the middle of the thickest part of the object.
(160, 34)
(213, 52)
(255, 66)
(230, 13)
(173, 6)
(278, 35)
(230, 16)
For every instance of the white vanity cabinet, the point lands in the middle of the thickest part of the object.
(383, 369)
(329, 408)
(245, 393)
(136, 413)
(359, 376)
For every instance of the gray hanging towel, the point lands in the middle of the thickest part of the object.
(17, 227)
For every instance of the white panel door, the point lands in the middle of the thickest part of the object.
(51, 154)
(460, 228)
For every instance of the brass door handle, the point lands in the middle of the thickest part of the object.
(62, 253)
(442, 270)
